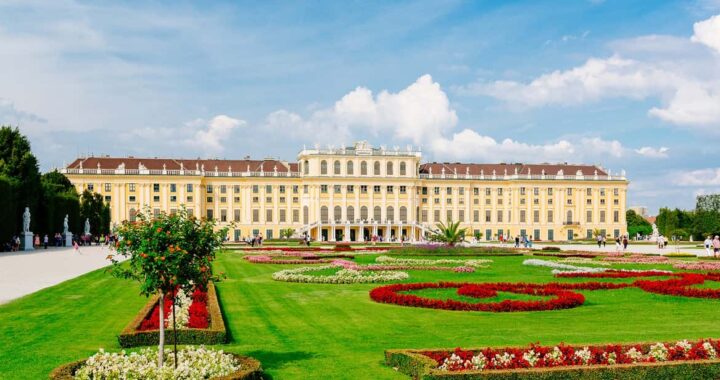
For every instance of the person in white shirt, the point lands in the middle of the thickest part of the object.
(708, 246)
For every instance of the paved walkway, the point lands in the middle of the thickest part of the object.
(23, 273)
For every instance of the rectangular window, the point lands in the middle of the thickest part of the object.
(476, 216)
(448, 215)
(588, 234)
(363, 189)
(306, 189)
(436, 190)
(282, 199)
(550, 217)
(255, 189)
(487, 216)
(156, 198)
(189, 198)
(602, 216)
(156, 187)
(461, 191)
(436, 216)
(256, 216)
(588, 216)
(536, 191)
(296, 199)
(223, 199)
(551, 234)
(461, 216)
(268, 199)
(487, 191)
(282, 216)
(268, 189)
(209, 189)
(350, 189)
(376, 189)
(390, 189)
(236, 215)
(107, 198)
(90, 186)
(403, 189)
(256, 199)
(522, 191)
(189, 188)
(424, 216)
(602, 191)
(522, 216)
(281, 189)
(476, 191)
(437, 201)
(499, 191)
(236, 199)
(268, 216)
(223, 215)
(296, 189)
(448, 190)
(536, 216)
(423, 190)
(173, 198)
(108, 187)
(323, 189)
(550, 191)
(131, 187)
(449, 201)
(156, 212)
(616, 191)
(569, 191)
(616, 216)
(236, 189)
(296, 216)
(337, 189)
(223, 189)
(173, 188)
(499, 216)
(209, 199)
(209, 214)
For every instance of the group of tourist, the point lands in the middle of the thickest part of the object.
(712, 246)
(525, 241)
(256, 240)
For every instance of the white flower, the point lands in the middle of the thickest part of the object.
(343, 276)
(584, 355)
(683, 345)
(659, 352)
(478, 362)
(531, 357)
(712, 354)
(634, 355)
(610, 357)
(555, 356)
(504, 360)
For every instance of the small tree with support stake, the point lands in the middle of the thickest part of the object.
(165, 253)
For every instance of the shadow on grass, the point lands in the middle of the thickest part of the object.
(275, 359)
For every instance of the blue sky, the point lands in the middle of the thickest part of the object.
(630, 85)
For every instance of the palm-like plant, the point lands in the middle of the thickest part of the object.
(287, 233)
(449, 234)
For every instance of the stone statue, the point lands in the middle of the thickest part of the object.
(26, 220)
(655, 233)
(65, 225)
(87, 226)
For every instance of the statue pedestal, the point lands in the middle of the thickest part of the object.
(27, 241)
(68, 239)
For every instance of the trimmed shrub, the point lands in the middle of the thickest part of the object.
(216, 333)
(551, 249)
(250, 369)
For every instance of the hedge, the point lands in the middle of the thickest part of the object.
(214, 334)
(250, 369)
(419, 366)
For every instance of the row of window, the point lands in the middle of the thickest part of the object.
(523, 216)
(499, 201)
(536, 191)
(536, 234)
(350, 168)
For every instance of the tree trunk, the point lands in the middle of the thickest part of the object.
(161, 346)
(174, 331)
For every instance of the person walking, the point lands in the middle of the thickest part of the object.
(716, 246)
(599, 240)
(604, 241)
(617, 244)
(76, 247)
(625, 242)
(45, 241)
(36, 241)
(708, 245)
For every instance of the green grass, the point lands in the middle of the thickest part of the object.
(335, 331)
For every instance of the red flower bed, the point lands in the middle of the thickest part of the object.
(563, 299)
(536, 356)
(199, 315)
(680, 285)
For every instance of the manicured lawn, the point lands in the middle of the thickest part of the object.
(336, 331)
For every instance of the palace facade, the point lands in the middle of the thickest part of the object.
(352, 193)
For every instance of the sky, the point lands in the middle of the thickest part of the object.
(625, 84)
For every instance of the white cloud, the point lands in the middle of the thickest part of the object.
(651, 152)
(687, 86)
(701, 177)
(417, 113)
(214, 133)
(707, 32)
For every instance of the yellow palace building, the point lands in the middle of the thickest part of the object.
(354, 193)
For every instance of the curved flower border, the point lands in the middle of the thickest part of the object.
(343, 276)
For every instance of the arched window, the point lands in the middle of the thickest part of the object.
(389, 169)
(336, 168)
(306, 167)
(403, 214)
(377, 214)
(390, 213)
(337, 213)
(403, 168)
(323, 167)
(569, 216)
(306, 214)
(363, 213)
(350, 214)
(133, 214)
(363, 168)
(324, 214)
(350, 169)
(376, 168)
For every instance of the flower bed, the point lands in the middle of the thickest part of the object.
(343, 276)
(191, 312)
(638, 259)
(193, 363)
(700, 265)
(583, 260)
(477, 263)
(680, 360)
(204, 322)
(680, 285)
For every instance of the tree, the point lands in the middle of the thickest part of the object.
(478, 235)
(287, 233)
(166, 253)
(449, 234)
(93, 207)
(18, 164)
(636, 224)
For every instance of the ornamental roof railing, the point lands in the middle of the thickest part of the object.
(203, 173)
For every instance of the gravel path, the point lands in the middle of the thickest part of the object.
(22, 273)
